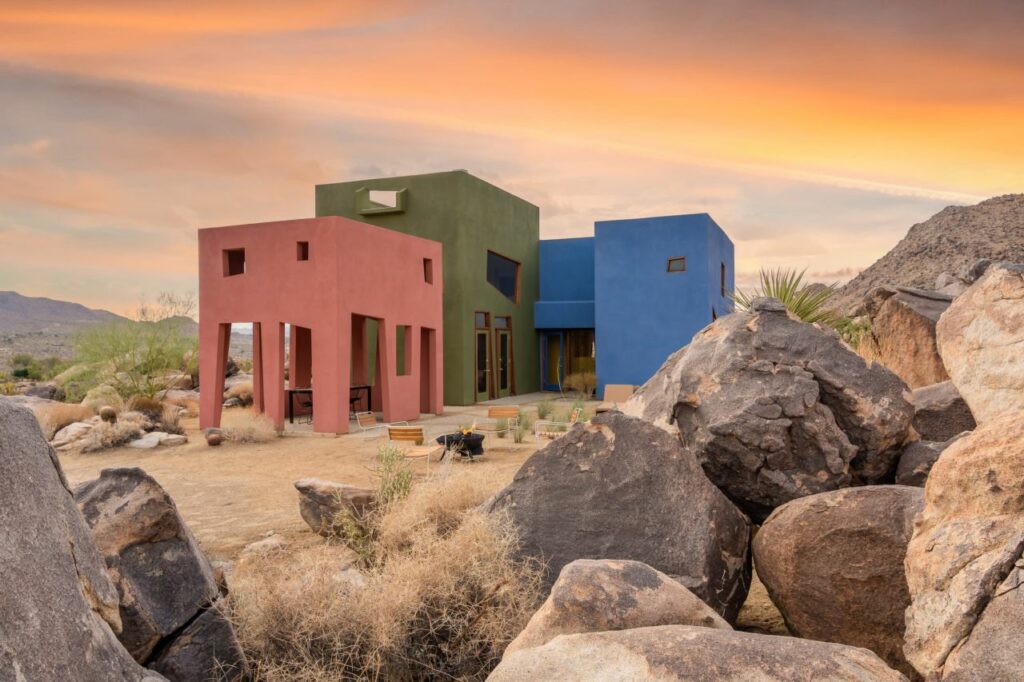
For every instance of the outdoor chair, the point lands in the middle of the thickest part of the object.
(370, 427)
(553, 429)
(305, 402)
(615, 395)
(411, 441)
(509, 414)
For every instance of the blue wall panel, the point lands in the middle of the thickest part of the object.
(644, 313)
(566, 284)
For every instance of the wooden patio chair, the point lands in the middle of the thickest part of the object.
(553, 429)
(371, 428)
(509, 413)
(615, 395)
(411, 441)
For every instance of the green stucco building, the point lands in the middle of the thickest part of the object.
(490, 244)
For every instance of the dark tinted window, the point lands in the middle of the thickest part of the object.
(503, 275)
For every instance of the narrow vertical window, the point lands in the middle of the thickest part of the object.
(302, 250)
(723, 280)
(428, 270)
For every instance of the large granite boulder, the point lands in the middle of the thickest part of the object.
(58, 607)
(683, 653)
(595, 596)
(917, 461)
(981, 340)
(165, 583)
(621, 488)
(940, 413)
(903, 332)
(833, 565)
(964, 562)
(322, 502)
(776, 409)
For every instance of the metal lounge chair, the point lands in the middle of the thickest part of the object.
(371, 428)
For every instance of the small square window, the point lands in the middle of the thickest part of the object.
(502, 322)
(302, 250)
(428, 270)
(677, 264)
(482, 320)
(234, 262)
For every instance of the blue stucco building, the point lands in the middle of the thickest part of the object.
(620, 302)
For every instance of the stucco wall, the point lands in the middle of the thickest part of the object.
(468, 216)
(566, 284)
(644, 313)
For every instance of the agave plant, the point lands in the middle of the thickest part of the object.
(806, 301)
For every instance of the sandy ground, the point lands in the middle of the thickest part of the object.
(236, 494)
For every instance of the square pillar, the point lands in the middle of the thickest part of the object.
(214, 338)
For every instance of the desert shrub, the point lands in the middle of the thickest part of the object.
(394, 477)
(190, 406)
(250, 428)
(583, 383)
(151, 407)
(106, 435)
(522, 428)
(145, 355)
(76, 381)
(241, 391)
(852, 329)
(501, 428)
(102, 396)
(544, 409)
(170, 420)
(26, 366)
(8, 388)
(446, 595)
(53, 417)
(244, 365)
(809, 302)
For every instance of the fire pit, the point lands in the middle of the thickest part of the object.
(466, 444)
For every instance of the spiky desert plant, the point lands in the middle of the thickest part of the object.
(809, 302)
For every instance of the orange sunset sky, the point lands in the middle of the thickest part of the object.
(815, 133)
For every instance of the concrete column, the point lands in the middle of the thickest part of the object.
(273, 372)
(300, 364)
(214, 338)
(332, 352)
(257, 369)
(386, 354)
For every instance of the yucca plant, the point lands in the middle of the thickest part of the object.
(807, 302)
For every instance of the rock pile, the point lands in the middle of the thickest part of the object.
(775, 409)
(902, 334)
(621, 488)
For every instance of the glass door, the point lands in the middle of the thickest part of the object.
(504, 363)
(483, 365)
(554, 360)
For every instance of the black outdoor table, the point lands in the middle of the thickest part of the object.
(468, 445)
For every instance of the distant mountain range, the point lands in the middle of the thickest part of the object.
(45, 327)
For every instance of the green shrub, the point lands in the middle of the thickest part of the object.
(852, 329)
(26, 366)
(808, 302)
(101, 396)
(393, 474)
(8, 388)
(544, 409)
(501, 428)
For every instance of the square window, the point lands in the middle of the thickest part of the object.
(482, 320)
(234, 262)
(502, 322)
(677, 264)
(302, 250)
(503, 275)
(428, 270)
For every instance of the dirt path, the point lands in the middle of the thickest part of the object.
(235, 494)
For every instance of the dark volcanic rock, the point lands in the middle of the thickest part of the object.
(917, 461)
(57, 604)
(833, 565)
(775, 409)
(210, 637)
(320, 503)
(940, 413)
(164, 581)
(621, 488)
(678, 653)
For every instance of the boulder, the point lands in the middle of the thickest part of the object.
(776, 409)
(46, 390)
(903, 332)
(917, 461)
(71, 433)
(940, 413)
(209, 637)
(58, 606)
(213, 437)
(155, 439)
(965, 562)
(682, 653)
(619, 487)
(595, 596)
(164, 581)
(833, 565)
(320, 503)
(981, 340)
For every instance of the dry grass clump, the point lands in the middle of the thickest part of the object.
(190, 406)
(170, 420)
(241, 391)
(53, 417)
(442, 597)
(103, 436)
(151, 407)
(250, 428)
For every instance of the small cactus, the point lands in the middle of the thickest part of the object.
(108, 414)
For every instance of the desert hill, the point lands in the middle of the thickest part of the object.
(952, 239)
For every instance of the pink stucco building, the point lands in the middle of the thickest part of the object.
(328, 278)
